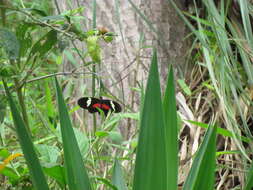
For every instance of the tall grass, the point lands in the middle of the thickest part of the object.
(227, 53)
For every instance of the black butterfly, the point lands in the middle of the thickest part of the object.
(92, 105)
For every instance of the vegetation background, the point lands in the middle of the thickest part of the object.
(105, 49)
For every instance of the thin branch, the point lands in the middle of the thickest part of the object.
(39, 22)
(60, 73)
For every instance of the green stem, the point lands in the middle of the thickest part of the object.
(21, 100)
(3, 15)
(94, 65)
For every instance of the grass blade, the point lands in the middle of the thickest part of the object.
(201, 175)
(221, 131)
(150, 169)
(171, 130)
(77, 177)
(37, 176)
(249, 183)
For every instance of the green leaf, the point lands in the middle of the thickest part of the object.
(221, 131)
(24, 37)
(82, 140)
(44, 44)
(106, 182)
(49, 154)
(171, 131)
(4, 152)
(77, 177)
(201, 175)
(184, 87)
(11, 174)
(118, 177)
(10, 43)
(101, 134)
(116, 137)
(6, 70)
(37, 11)
(37, 176)
(57, 173)
(151, 162)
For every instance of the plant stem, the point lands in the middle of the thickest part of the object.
(21, 101)
(22, 105)
(94, 65)
(2, 10)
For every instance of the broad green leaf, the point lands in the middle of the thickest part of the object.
(57, 173)
(118, 177)
(49, 154)
(171, 131)
(116, 137)
(10, 43)
(201, 175)
(37, 176)
(4, 153)
(101, 134)
(77, 177)
(82, 140)
(151, 162)
(44, 44)
(11, 174)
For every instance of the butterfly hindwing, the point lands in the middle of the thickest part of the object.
(114, 106)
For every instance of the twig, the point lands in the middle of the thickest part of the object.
(39, 22)
(60, 73)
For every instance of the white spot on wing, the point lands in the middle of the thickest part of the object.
(112, 105)
(88, 102)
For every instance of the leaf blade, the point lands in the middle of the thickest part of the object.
(77, 177)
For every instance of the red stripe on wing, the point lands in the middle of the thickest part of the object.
(101, 106)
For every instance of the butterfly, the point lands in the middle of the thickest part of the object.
(94, 104)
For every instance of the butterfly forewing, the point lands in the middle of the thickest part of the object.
(87, 103)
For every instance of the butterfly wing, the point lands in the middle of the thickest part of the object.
(114, 106)
(87, 103)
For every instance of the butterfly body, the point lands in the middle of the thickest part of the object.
(94, 105)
